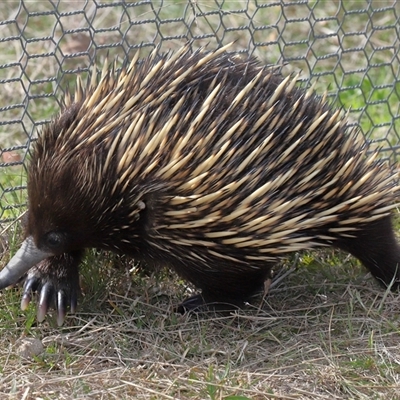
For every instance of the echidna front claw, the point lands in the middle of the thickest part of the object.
(56, 282)
(30, 286)
(61, 307)
(46, 298)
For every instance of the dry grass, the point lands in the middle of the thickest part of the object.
(314, 337)
(326, 332)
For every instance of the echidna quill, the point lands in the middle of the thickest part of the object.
(210, 164)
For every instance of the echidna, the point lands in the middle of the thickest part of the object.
(205, 162)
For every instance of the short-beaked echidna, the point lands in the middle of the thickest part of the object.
(205, 162)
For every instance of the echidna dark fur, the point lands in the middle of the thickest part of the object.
(205, 162)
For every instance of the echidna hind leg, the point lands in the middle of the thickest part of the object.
(226, 291)
(377, 248)
(206, 301)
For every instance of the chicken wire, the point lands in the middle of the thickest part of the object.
(348, 49)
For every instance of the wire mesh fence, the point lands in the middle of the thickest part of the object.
(349, 49)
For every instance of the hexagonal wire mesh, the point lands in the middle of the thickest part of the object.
(349, 48)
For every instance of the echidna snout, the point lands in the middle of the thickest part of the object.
(211, 164)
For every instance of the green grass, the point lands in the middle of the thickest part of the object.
(12, 197)
(326, 331)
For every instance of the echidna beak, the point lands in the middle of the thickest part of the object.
(24, 259)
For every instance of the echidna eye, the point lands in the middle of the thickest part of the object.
(54, 240)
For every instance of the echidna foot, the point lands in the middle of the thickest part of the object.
(193, 303)
(201, 303)
(55, 280)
